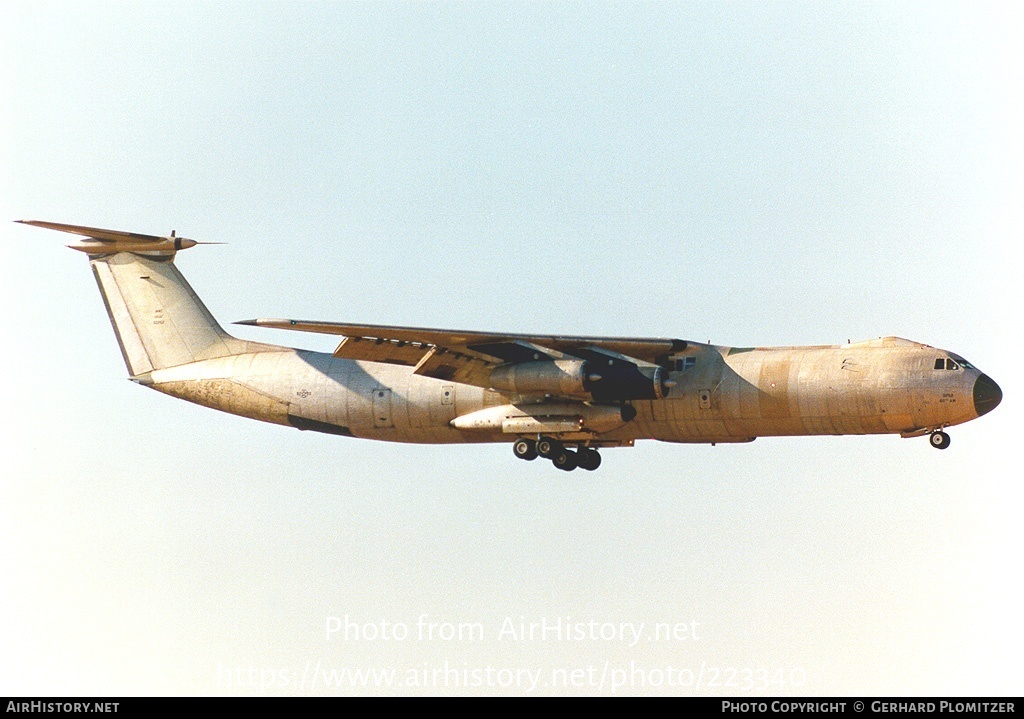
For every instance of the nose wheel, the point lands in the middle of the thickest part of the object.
(939, 439)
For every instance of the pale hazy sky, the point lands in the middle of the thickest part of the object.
(749, 173)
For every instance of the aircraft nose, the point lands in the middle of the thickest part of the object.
(987, 395)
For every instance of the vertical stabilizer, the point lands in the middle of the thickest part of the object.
(158, 319)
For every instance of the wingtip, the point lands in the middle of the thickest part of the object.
(271, 322)
(38, 223)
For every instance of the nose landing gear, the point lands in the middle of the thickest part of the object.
(939, 439)
(563, 458)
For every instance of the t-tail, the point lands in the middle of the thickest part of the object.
(157, 317)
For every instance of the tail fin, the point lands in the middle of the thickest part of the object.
(158, 319)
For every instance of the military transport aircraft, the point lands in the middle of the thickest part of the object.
(558, 397)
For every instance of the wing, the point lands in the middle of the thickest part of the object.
(470, 357)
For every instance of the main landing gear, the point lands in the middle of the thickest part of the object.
(939, 439)
(563, 458)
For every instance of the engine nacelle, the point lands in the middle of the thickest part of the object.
(564, 378)
(616, 380)
(604, 380)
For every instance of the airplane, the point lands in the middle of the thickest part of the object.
(562, 398)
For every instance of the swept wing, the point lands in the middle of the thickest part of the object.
(471, 357)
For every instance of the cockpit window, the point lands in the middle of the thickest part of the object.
(947, 363)
(963, 363)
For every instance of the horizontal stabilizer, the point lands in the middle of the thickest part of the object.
(102, 242)
(94, 232)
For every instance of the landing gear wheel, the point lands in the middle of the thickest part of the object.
(565, 459)
(525, 449)
(588, 459)
(939, 440)
(547, 447)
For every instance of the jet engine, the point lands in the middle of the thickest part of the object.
(605, 379)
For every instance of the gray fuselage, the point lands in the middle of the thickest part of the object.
(723, 394)
(541, 392)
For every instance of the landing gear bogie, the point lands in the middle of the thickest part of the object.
(588, 459)
(561, 457)
(939, 439)
(548, 447)
(525, 449)
(565, 460)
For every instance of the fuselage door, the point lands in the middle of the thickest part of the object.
(382, 407)
(442, 404)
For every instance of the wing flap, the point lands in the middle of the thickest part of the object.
(369, 349)
(454, 366)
